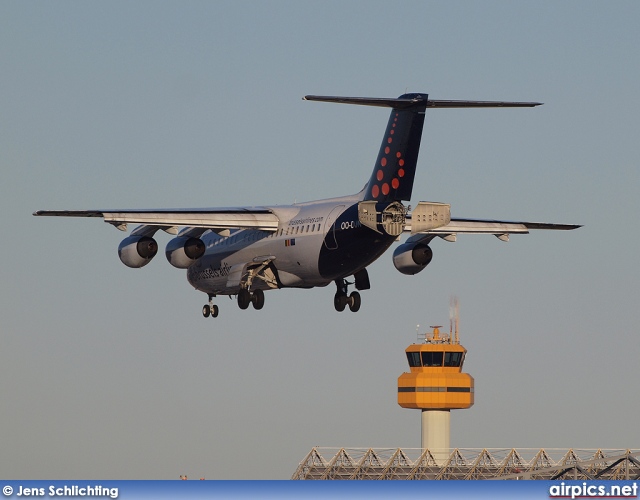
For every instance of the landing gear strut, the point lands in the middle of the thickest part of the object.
(341, 300)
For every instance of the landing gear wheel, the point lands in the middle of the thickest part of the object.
(210, 309)
(244, 298)
(257, 299)
(354, 301)
(340, 301)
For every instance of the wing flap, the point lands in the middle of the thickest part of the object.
(479, 226)
(231, 218)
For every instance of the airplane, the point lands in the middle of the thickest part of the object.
(245, 251)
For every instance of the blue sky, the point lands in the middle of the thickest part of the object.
(108, 372)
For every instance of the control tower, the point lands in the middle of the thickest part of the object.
(436, 385)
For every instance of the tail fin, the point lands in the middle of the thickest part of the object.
(395, 168)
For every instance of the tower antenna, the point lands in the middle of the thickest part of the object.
(454, 318)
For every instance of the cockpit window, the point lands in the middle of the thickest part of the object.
(414, 358)
(452, 358)
(430, 358)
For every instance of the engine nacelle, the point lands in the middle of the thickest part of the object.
(411, 258)
(137, 251)
(184, 251)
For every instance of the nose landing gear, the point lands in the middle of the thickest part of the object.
(210, 309)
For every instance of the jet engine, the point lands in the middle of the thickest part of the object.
(137, 251)
(183, 251)
(412, 257)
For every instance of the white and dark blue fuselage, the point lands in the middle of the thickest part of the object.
(315, 244)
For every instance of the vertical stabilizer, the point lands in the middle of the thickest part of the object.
(395, 168)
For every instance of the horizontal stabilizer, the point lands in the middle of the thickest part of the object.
(480, 104)
(405, 101)
(411, 100)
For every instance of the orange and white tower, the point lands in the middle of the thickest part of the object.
(436, 385)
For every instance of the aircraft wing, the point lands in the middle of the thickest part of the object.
(260, 218)
(499, 228)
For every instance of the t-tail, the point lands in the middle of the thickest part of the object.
(395, 168)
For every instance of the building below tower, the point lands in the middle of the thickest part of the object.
(467, 464)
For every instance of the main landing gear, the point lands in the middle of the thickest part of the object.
(341, 300)
(245, 298)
